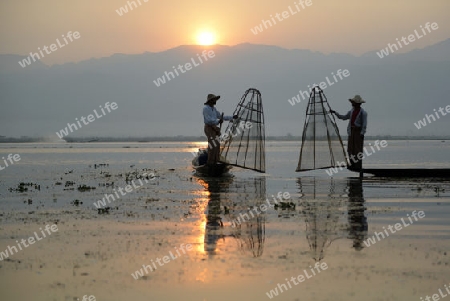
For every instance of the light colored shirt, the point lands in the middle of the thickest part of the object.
(211, 116)
(360, 121)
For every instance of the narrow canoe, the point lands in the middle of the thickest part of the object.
(408, 172)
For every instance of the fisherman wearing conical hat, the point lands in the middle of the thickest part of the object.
(212, 119)
(356, 130)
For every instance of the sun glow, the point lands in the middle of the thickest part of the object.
(206, 38)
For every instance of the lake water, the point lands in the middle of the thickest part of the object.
(323, 220)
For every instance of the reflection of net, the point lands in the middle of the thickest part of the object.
(321, 221)
(244, 136)
(249, 232)
(321, 143)
(251, 235)
(321, 210)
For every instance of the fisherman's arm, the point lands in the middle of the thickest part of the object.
(226, 117)
(363, 123)
(343, 117)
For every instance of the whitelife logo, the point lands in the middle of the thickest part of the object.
(10, 158)
(371, 240)
(423, 122)
(437, 297)
(319, 267)
(108, 197)
(13, 249)
(243, 217)
(124, 9)
(411, 38)
(360, 156)
(323, 85)
(71, 126)
(188, 66)
(166, 259)
(71, 36)
(220, 140)
(265, 24)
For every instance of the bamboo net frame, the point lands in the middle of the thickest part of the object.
(245, 147)
(322, 145)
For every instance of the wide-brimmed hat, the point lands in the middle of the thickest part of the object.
(211, 97)
(357, 99)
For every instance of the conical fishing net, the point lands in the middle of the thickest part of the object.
(321, 143)
(244, 138)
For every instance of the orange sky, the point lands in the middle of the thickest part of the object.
(353, 26)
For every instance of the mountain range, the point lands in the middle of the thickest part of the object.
(399, 89)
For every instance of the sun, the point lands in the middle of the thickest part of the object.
(206, 38)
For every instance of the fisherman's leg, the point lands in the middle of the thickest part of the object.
(358, 144)
(215, 149)
(355, 148)
(209, 134)
(352, 151)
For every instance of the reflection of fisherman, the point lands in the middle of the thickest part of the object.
(212, 118)
(356, 130)
(213, 225)
(357, 219)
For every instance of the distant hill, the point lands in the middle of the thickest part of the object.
(400, 89)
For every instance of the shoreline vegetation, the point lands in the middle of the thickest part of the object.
(26, 139)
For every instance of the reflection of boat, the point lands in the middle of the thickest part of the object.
(243, 143)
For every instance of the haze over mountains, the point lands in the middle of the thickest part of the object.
(400, 89)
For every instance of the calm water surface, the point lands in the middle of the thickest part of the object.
(323, 219)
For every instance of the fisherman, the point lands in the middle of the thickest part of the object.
(212, 119)
(356, 129)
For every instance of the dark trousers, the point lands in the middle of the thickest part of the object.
(355, 147)
(212, 132)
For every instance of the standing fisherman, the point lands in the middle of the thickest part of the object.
(356, 130)
(212, 119)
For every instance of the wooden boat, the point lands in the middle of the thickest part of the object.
(408, 172)
(201, 168)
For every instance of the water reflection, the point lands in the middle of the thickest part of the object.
(249, 227)
(331, 210)
(324, 205)
(356, 218)
(233, 200)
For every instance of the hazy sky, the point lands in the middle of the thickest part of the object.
(353, 26)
